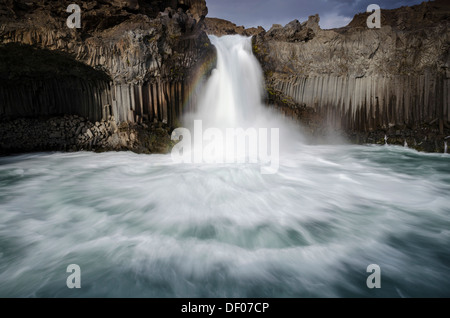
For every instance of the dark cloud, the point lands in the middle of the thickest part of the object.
(333, 13)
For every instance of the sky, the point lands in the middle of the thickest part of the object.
(265, 13)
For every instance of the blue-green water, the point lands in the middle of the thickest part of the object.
(142, 226)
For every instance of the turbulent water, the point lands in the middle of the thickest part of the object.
(145, 226)
(142, 226)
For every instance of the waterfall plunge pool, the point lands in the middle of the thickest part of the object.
(142, 226)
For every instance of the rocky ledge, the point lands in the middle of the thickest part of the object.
(220, 27)
(76, 133)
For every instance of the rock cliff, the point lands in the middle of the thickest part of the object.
(367, 82)
(146, 49)
(131, 61)
(138, 61)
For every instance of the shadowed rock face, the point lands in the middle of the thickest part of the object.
(147, 50)
(365, 80)
(38, 82)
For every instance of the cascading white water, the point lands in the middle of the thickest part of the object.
(445, 147)
(232, 98)
(233, 93)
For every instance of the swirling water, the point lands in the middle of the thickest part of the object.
(141, 226)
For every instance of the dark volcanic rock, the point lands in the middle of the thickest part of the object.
(294, 31)
(220, 27)
(76, 133)
(147, 50)
(363, 81)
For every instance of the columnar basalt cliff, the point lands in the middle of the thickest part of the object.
(367, 82)
(137, 62)
(133, 61)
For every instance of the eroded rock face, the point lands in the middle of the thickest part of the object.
(196, 7)
(294, 31)
(364, 80)
(148, 49)
(220, 27)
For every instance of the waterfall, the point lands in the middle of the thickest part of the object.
(445, 147)
(385, 139)
(233, 94)
(231, 117)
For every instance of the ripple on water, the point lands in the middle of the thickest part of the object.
(142, 226)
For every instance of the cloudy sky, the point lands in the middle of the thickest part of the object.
(333, 13)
